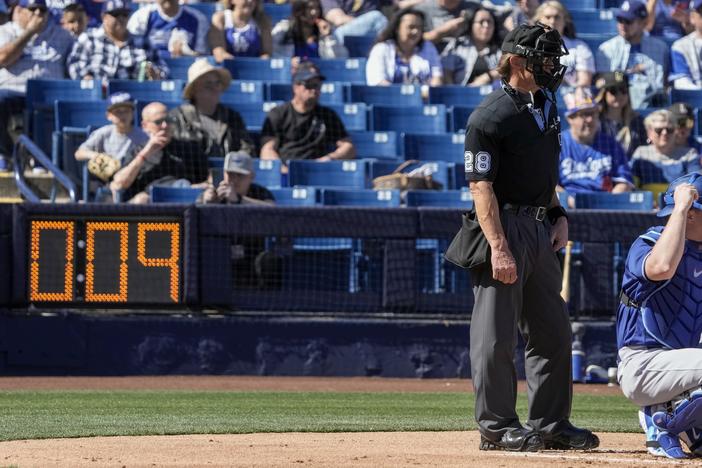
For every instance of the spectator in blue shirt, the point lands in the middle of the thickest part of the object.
(168, 28)
(643, 58)
(591, 160)
(235, 32)
(686, 70)
(668, 19)
(31, 47)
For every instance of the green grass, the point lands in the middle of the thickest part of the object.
(48, 414)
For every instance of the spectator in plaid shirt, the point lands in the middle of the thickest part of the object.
(109, 52)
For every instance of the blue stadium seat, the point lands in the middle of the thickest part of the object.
(443, 199)
(442, 147)
(344, 69)
(295, 196)
(46, 92)
(350, 174)
(467, 96)
(268, 173)
(359, 46)
(162, 194)
(442, 172)
(633, 201)
(167, 90)
(277, 12)
(254, 114)
(458, 118)
(245, 92)
(332, 92)
(178, 67)
(252, 68)
(375, 198)
(206, 8)
(39, 108)
(594, 22)
(380, 145)
(80, 114)
(424, 119)
(354, 115)
(394, 95)
(575, 5)
(692, 97)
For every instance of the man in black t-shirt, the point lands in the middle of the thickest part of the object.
(301, 128)
(509, 243)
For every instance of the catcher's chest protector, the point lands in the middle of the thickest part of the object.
(673, 313)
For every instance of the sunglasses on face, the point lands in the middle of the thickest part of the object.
(618, 90)
(311, 85)
(667, 130)
(161, 121)
(625, 22)
(40, 9)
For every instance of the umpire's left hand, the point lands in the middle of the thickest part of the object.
(559, 233)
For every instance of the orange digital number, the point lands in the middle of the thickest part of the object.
(172, 262)
(90, 294)
(34, 293)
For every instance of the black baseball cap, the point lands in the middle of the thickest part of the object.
(608, 80)
(683, 114)
(307, 71)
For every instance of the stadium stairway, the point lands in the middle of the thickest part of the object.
(42, 183)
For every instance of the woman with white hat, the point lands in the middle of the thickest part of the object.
(203, 117)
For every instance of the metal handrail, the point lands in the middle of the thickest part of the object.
(46, 162)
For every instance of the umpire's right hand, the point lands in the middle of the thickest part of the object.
(504, 268)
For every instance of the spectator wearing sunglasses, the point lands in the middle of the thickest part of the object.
(31, 47)
(617, 118)
(109, 52)
(301, 128)
(684, 118)
(204, 120)
(159, 162)
(655, 165)
(686, 69)
(643, 58)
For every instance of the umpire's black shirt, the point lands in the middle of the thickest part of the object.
(506, 146)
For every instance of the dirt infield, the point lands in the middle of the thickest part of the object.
(443, 449)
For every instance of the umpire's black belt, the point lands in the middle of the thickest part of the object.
(536, 212)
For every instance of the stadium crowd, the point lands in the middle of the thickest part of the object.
(620, 133)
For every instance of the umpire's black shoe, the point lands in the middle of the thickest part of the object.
(516, 440)
(568, 437)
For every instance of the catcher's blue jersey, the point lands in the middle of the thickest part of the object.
(670, 312)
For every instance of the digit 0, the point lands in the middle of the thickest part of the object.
(34, 293)
(90, 294)
(172, 262)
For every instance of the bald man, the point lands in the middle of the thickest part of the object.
(154, 164)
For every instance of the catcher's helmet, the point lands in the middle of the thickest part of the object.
(540, 44)
(694, 178)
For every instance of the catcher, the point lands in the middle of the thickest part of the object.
(108, 147)
(659, 324)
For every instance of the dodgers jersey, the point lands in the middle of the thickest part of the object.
(242, 42)
(669, 313)
(155, 28)
(592, 168)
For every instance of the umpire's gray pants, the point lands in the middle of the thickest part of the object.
(533, 306)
